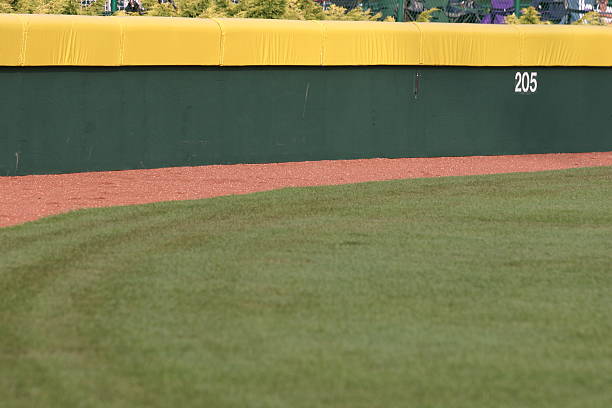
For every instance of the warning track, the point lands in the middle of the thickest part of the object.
(28, 198)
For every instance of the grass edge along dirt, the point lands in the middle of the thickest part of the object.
(452, 292)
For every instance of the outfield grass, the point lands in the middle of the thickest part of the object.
(489, 291)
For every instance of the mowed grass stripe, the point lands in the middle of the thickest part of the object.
(452, 292)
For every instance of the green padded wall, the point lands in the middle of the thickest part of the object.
(71, 119)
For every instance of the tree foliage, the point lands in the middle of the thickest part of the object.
(303, 10)
(529, 15)
(269, 9)
(6, 6)
(590, 18)
(427, 15)
(273, 9)
(334, 12)
(72, 7)
(154, 8)
(192, 8)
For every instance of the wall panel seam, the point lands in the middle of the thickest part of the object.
(24, 40)
(122, 43)
(221, 41)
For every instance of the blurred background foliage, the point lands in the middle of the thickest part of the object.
(271, 9)
(51, 7)
(528, 15)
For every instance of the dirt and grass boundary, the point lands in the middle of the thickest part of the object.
(28, 198)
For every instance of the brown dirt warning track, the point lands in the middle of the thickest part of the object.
(28, 198)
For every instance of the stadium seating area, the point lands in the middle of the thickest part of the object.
(458, 11)
(494, 11)
(483, 11)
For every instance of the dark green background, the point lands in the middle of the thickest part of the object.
(69, 119)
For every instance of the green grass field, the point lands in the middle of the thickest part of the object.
(488, 291)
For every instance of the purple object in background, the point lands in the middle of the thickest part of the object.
(499, 9)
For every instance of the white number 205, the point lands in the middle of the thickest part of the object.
(526, 82)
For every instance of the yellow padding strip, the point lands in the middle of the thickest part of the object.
(569, 45)
(270, 42)
(161, 41)
(52, 40)
(470, 44)
(368, 43)
(12, 39)
(65, 40)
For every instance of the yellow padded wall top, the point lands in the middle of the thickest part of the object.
(161, 41)
(567, 45)
(48, 40)
(364, 43)
(11, 39)
(66, 40)
(270, 42)
(469, 44)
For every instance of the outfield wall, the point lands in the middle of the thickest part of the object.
(106, 93)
